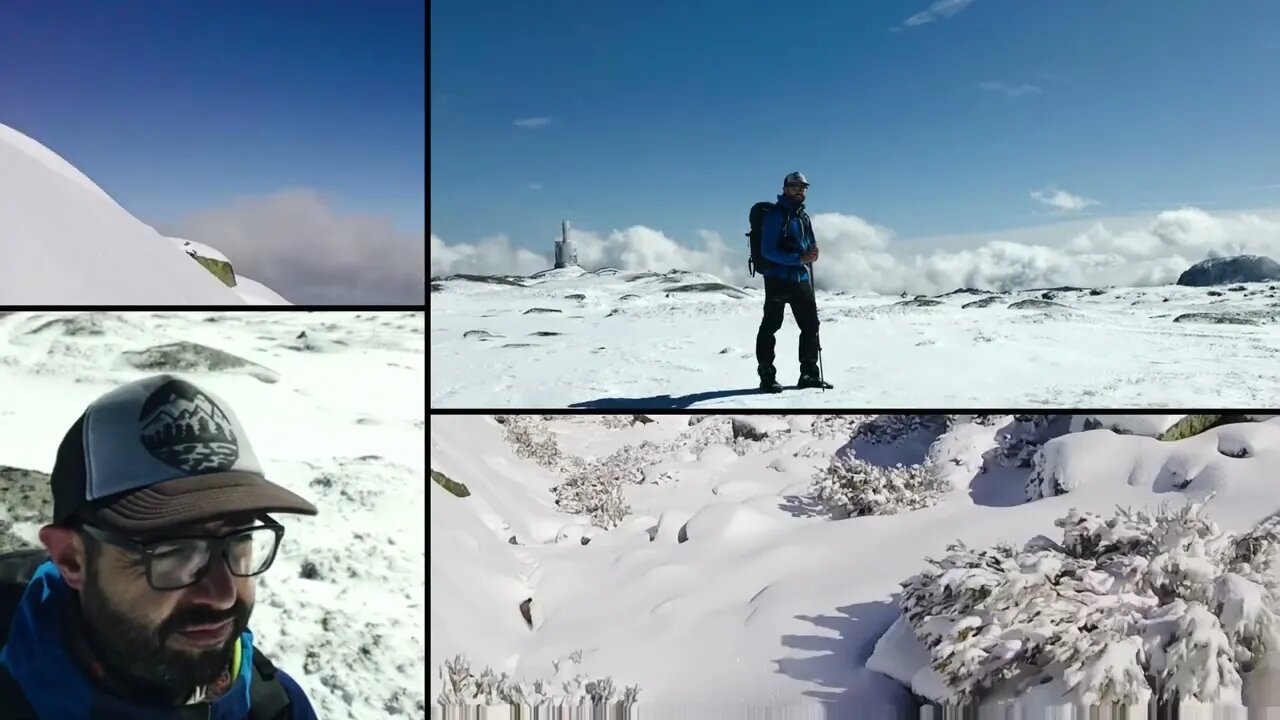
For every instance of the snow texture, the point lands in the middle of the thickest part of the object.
(343, 608)
(67, 242)
(627, 341)
(732, 566)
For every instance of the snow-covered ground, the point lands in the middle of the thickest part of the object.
(726, 589)
(567, 338)
(333, 403)
(65, 241)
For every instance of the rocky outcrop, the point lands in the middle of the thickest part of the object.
(1231, 270)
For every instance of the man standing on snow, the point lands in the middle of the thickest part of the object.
(788, 247)
(138, 605)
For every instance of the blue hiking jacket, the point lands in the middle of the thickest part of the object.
(784, 263)
(56, 688)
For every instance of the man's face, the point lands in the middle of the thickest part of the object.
(173, 640)
(797, 191)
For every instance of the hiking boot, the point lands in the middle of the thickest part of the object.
(813, 381)
(768, 379)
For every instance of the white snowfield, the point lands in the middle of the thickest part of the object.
(725, 592)
(64, 241)
(617, 340)
(336, 416)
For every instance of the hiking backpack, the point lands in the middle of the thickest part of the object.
(757, 259)
(268, 700)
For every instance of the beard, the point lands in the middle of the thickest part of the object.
(135, 653)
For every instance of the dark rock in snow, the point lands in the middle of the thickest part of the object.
(1216, 293)
(480, 334)
(1037, 304)
(918, 302)
(545, 333)
(721, 288)
(534, 310)
(1217, 319)
(1235, 269)
(1096, 292)
(191, 357)
(489, 279)
(519, 345)
(575, 296)
(982, 302)
(968, 291)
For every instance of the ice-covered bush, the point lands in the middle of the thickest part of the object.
(1167, 604)
(1022, 438)
(850, 487)
(595, 490)
(462, 687)
(826, 427)
(892, 428)
(529, 437)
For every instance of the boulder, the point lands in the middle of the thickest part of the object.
(1231, 270)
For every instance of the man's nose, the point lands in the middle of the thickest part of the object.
(217, 588)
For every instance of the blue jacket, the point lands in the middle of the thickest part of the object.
(784, 262)
(56, 688)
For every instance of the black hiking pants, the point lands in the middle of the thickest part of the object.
(778, 294)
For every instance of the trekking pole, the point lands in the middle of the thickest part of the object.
(814, 289)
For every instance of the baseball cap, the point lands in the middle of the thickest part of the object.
(158, 453)
(796, 178)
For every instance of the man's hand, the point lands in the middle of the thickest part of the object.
(810, 256)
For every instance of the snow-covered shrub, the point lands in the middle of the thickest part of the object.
(850, 487)
(892, 428)
(1022, 438)
(595, 490)
(462, 687)
(826, 427)
(529, 438)
(1167, 604)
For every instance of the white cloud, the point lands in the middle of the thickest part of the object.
(857, 255)
(938, 10)
(491, 256)
(300, 247)
(996, 86)
(532, 122)
(1062, 200)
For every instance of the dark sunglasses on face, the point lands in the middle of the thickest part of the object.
(180, 562)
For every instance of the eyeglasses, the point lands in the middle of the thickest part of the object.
(180, 562)
(797, 186)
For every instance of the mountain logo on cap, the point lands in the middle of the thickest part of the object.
(185, 429)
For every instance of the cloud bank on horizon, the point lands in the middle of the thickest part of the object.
(857, 255)
(297, 244)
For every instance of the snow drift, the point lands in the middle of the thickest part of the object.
(65, 241)
(721, 586)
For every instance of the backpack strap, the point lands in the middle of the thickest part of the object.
(268, 700)
(13, 702)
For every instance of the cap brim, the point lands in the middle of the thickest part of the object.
(198, 499)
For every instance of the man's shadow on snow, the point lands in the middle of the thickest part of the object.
(661, 401)
(836, 662)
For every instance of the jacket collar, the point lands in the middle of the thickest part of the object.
(786, 202)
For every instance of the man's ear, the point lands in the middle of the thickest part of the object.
(66, 549)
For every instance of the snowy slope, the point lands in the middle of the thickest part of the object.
(63, 240)
(626, 340)
(724, 590)
(336, 416)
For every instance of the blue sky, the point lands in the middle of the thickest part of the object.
(678, 115)
(178, 107)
